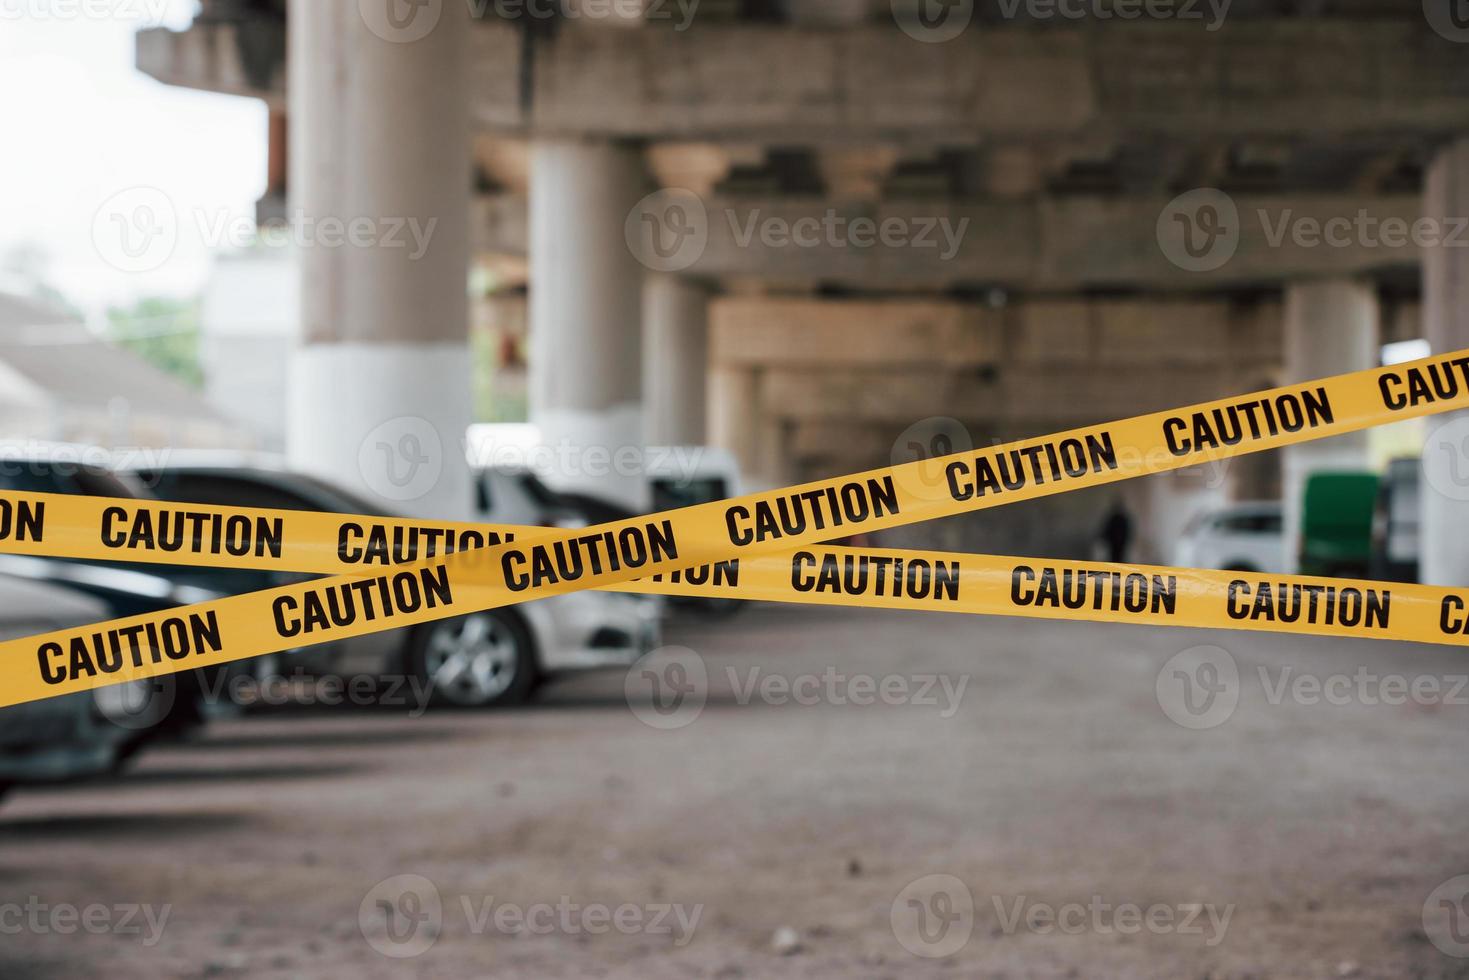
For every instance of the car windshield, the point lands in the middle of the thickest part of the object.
(331, 497)
(101, 483)
(538, 491)
(59, 476)
(1249, 522)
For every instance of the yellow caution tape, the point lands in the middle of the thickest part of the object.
(554, 562)
(1044, 588)
(827, 574)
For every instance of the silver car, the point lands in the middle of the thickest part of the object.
(74, 735)
(494, 657)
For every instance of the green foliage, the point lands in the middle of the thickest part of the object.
(162, 331)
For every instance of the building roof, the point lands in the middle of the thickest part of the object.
(60, 360)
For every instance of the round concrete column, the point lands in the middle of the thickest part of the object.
(1163, 505)
(586, 316)
(675, 360)
(1444, 498)
(380, 185)
(734, 406)
(1331, 327)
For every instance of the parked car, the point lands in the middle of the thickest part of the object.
(174, 704)
(677, 477)
(75, 735)
(1336, 524)
(683, 476)
(1243, 537)
(514, 496)
(488, 658)
(127, 588)
(1395, 523)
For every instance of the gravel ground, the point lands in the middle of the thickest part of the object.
(1029, 775)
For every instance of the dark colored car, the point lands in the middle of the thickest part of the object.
(75, 735)
(127, 588)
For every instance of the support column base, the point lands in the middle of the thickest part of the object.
(600, 453)
(386, 421)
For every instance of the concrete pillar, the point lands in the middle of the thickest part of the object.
(675, 360)
(272, 204)
(1163, 505)
(1331, 327)
(1012, 171)
(856, 173)
(380, 181)
(696, 167)
(742, 422)
(676, 312)
(1444, 498)
(586, 370)
(506, 160)
(734, 405)
(773, 457)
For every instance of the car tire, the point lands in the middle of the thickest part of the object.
(486, 659)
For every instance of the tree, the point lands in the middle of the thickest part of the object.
(164, 332)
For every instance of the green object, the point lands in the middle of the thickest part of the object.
(1336, 523)
(162, 331)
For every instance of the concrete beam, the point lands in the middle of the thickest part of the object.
(835, 439)
(1052, 244)
(835, 335)
(1307, 79)
(1157, 331)
(1068, 361)
(839, 446)
(1017, 395)
(207, 56)
(1294, 77)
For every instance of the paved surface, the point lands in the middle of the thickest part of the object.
(1290, 840)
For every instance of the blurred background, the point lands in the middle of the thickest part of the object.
(556, 262)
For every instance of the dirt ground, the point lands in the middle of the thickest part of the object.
(942, 831)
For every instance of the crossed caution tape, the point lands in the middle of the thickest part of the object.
(389, 573)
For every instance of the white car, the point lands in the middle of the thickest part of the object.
(681, 476)
(1243, 537)
(489, 658)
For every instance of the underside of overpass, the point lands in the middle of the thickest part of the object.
(1049, 214)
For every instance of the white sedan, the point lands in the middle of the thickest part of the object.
(1243, 537)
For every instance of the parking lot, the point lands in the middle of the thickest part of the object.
(550, 488)
(778, 825)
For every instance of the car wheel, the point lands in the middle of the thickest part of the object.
(482, 660)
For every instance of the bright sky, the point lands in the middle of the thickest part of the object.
(80, 124)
